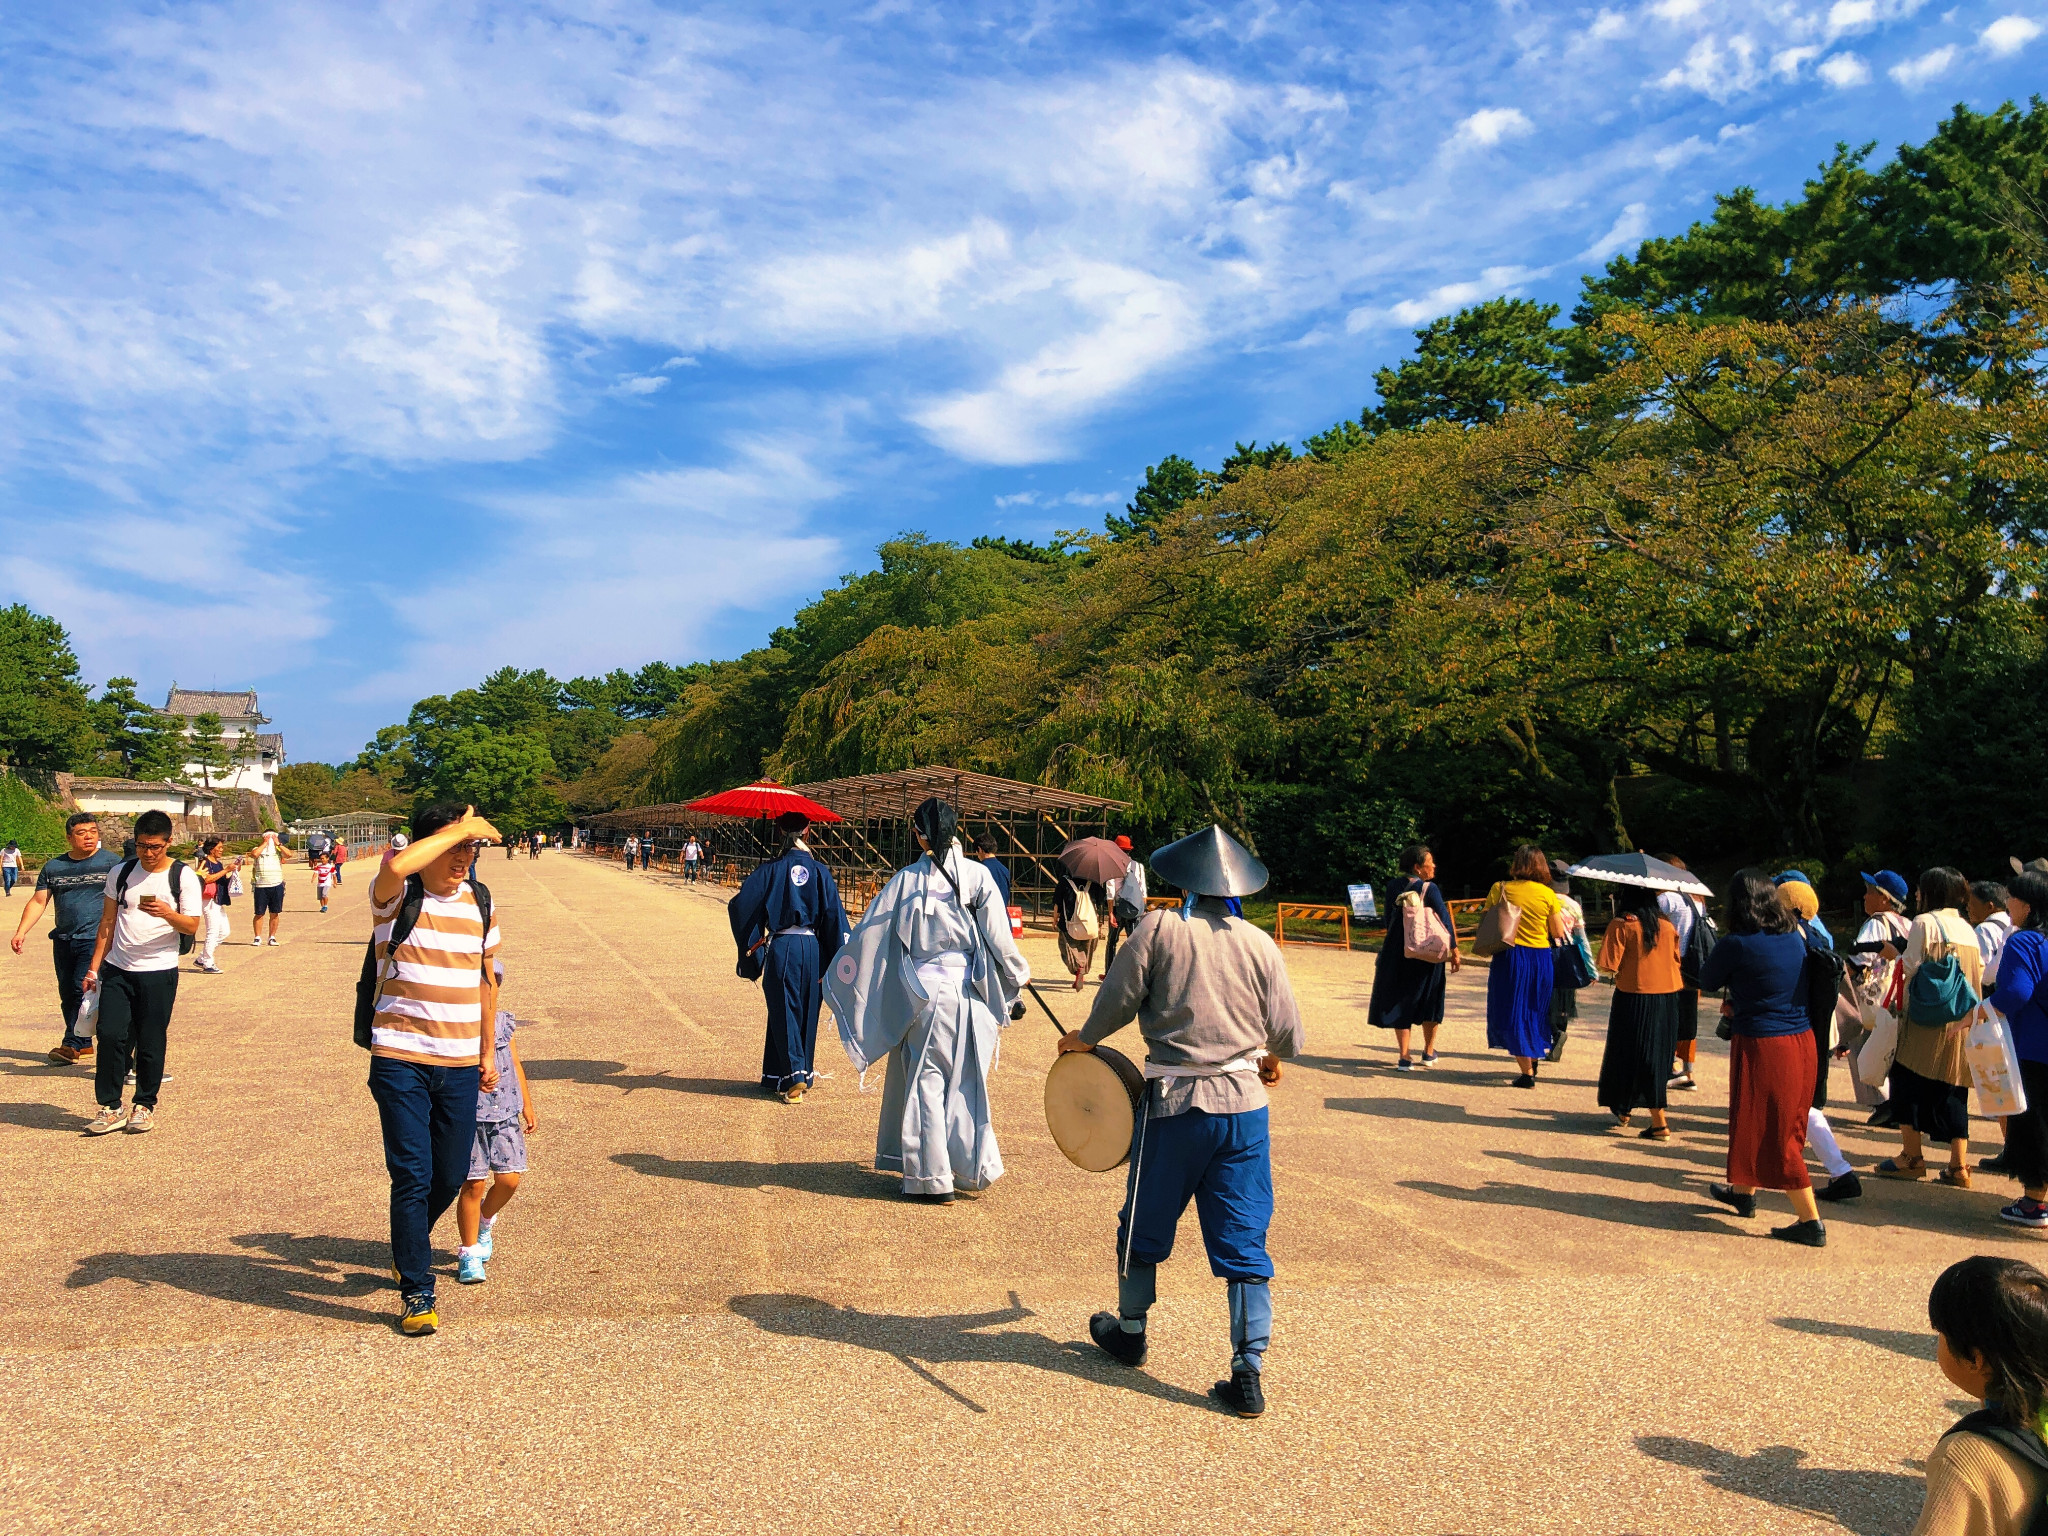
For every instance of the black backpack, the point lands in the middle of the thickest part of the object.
(177, 895)
(369, 983)
(1698, 945)
(1823, 983)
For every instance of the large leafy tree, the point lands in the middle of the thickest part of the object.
(45, 721)
(1475, 366)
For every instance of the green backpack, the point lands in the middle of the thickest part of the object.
(1939, 993)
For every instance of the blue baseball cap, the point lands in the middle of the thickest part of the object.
(1891, 882)
(1793, 874)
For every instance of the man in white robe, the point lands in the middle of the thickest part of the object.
(929, 979)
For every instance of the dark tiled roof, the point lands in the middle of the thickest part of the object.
(201, 701)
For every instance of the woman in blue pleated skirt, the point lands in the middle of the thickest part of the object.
(1519, 978)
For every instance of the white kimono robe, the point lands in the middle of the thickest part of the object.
(929, 984)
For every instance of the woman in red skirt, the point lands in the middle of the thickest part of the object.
(1760, 965)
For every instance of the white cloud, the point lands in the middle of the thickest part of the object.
(1491, 125)
(1140, 324)
(1786, 62)
(1914, 73)
(642, 384)
(1677, 10)
(1671, 156)
(2009, 34)
(1630, 226)
(1717, 68)
(1843, 70)
(1846, 16)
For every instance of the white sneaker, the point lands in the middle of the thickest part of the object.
(257, 941)
(110, 1118)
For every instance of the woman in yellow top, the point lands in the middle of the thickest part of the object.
(1520, 977)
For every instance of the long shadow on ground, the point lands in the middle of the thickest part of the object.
(613, 1074)
(42, 1117)
(848, 1181)
(1868, 1503)
(313, 1276)
(918, 1343)
(1914, 1346)
(1658, 1215)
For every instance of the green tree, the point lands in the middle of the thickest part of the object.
(1169, 485)
(1474, 366)
(118, 717)
(504, 775)
(45, 720)
(205, 750)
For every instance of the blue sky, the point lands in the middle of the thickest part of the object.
(353, 350)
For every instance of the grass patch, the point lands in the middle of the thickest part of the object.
(29, 820)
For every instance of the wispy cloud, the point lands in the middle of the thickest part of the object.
(1929, 66)
(1844, 71)
(1491, 125)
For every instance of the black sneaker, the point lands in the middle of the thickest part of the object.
(1808, 1234)
(1847, 1187)
(1741, 1205)
(1106, 1329)
(1404, 1065)
(1996, 1164)
(1242, 1394)
(1526, 1080)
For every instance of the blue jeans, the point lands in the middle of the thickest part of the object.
(74, 959)
(429, 1120)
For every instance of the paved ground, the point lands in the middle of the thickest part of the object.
(709, 1313)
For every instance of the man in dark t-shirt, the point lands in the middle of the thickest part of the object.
(77, 882)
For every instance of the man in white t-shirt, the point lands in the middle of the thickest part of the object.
(693, 855)
(151, 901)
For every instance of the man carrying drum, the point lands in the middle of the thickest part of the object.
(1211, 997)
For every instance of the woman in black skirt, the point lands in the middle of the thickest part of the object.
(1641, 952)
(1407, 991)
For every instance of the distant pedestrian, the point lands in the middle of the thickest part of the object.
(1760, 964)
(323, 879)
(646, 850)
(1126, 902)
(1992, 925)
(1519, 979)
(632, 850)
(434, 1005)
(76, 882)
(1988, 1474)
(1077, 907)
(693, 859)
(340, 859)
(1564, 997)
(10, 865)
(216, 873)
(152, 909)
(1870, 973)
(1408, 990)
(998, 871)
(266, 880)
(1683, 910)
(2022, 997)
(505, 1117)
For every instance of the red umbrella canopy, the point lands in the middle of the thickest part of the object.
(764, 797)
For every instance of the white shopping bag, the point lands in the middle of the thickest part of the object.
(1994, 1065)
(1874, 1061)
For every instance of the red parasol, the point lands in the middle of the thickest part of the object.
(764, 798)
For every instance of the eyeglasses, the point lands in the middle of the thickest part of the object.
(473, 847)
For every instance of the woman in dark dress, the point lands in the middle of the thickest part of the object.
(1640, 951)
(1407, 991)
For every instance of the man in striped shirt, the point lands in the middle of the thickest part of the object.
(435, 1002)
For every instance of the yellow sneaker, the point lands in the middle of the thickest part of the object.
(420, 1318)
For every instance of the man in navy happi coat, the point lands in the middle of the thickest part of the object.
(788, 924)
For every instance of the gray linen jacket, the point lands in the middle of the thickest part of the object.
(1205, 989)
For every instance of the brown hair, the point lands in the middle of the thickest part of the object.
(1754, 905)
(1530, 863)
(1943, 886)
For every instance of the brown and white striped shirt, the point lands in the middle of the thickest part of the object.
(430, 1010)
